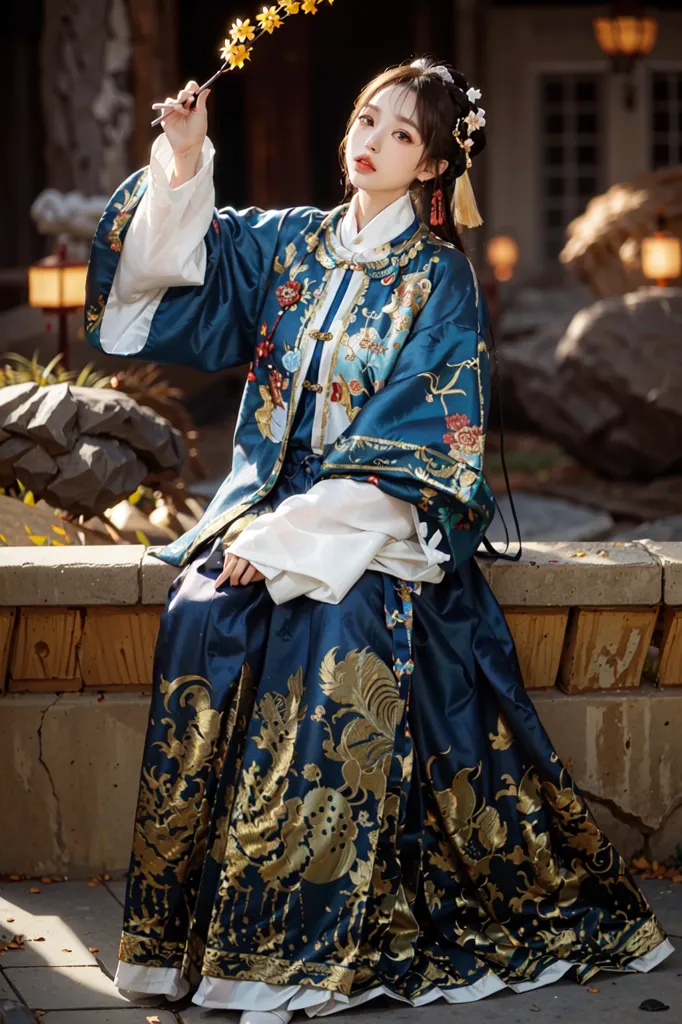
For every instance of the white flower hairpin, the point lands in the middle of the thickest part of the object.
(475, 120)
(437, 69)
(473, 94)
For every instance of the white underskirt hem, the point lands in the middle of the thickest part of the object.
(220, 994)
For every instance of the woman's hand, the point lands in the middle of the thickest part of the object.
(185, 129)
(238, 571)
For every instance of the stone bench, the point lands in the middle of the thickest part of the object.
(77, 634)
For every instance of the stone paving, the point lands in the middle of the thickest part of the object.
(64, 971)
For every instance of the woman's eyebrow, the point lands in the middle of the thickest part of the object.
(398, 117)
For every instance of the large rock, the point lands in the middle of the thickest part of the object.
(610, 392)
(82, 449)
(603, 247)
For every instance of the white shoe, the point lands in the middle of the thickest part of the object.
(266, 1017)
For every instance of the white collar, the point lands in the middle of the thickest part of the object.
(382, 229)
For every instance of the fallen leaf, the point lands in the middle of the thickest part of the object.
(579, 554)
(640, 864)
(9, 920)
(46, 881)
(107, 878)
(34, 891)
(65, 950)
(153, 1020)
(676, 879)
(604, 554)
(15, 878)
(93, 885)
(38, 938)
(593, 991)
(94, 949)
(655, 866)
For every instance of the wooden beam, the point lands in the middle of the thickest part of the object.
(538, 635)
(606, 648)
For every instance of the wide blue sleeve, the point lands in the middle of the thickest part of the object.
(421, 437)
(209, 326)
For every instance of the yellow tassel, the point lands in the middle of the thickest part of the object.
(465, 209)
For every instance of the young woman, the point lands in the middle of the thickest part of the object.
(345, 790)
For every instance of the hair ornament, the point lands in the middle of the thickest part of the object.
(464, 207)
(465, 144)
(437, 69)
(473, 95)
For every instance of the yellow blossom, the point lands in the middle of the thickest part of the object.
(269, 19)
(242, 31)
(310, 6)
(290, 6)
(236, 54)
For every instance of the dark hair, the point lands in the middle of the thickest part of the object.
(439, 106)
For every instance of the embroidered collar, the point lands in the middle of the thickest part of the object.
(398, 252)
(371, 243)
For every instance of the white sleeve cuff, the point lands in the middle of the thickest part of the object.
(164, 246)
(321, 542)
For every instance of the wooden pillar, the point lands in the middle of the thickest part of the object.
(154, 67)
(277, 100)
(85, 56)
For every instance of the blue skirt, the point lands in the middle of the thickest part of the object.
(359, 795)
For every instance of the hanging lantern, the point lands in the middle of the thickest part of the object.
(626, 35)
(57, 285)
(502, 254)
(661, 255)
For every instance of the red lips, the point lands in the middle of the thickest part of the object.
(364, 163)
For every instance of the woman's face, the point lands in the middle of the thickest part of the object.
(385, 150)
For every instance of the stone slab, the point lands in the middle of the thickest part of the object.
(77, 808)
(666, 902)
(68, 576)
(115, 1016)
(547, 519)
(6, 990)
(156, 578)
(669, 554)
(623, 750)
(117, 887)
(70, 917)
(65, 988)
(556, 574)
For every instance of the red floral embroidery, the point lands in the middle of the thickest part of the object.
(263, 350)
(251, 375)
(288, 294)
(336, 391)
(355, 387)
(373, 480)
(458, 420)
(264, 330)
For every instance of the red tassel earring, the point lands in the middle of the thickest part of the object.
(437, 212)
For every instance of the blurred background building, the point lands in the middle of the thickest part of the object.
(582, 172)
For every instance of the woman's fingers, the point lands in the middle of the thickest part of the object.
(251, 575)
(238, 571)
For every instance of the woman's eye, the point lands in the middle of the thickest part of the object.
(366, 119)
(403, 137)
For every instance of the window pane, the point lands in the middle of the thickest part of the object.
(587, 123)
(571, 122)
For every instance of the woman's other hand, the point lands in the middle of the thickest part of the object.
(238, 571)
(185, 129)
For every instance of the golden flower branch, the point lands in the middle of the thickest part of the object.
(236, 51)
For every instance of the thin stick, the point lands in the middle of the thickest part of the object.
(202, 88)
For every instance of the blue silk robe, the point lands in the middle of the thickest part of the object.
(353, 798)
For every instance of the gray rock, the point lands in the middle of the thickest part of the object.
(667, 528)
(610, 391)
(82, 449)
(547, 519)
